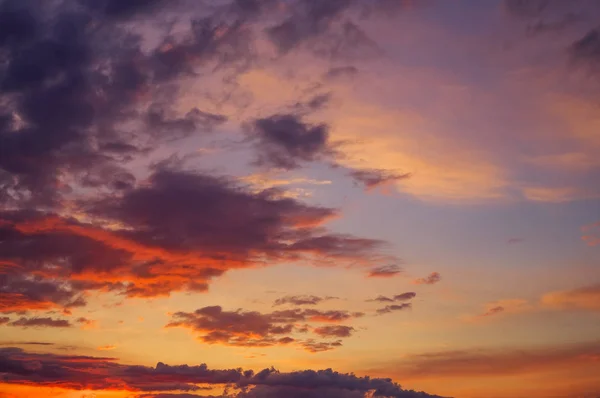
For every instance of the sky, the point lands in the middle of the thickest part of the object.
(299, 198)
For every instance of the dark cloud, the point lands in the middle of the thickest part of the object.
(19, 293)
(493, 311)
(393, 307)
(340, 72)
(195, 226)
(588, 47)
(96, 373)
(374, 178)
(285, 141)
(309, 18)
(255, 329)
(301, 300)
(71, 81)
(43, 322)
(385, 271)
(17, 343)
(398, 297)
(4, 320)
(431, 279)
(526, 8)
(334, 331)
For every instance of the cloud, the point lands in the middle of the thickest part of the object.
(97, 373)
(583, 298)
(311, 19)
(301, 300)
(254, 329)
(397, 297)
(21, 293)
(106, 347)
(499, 308)
(496, 362)
(385, 271)
(285, 141)
(393, 307)
(40, 322)
(197, 226)
(431, 279)
(591, 234)
(334, 331)
(514, 241)
(373, 178)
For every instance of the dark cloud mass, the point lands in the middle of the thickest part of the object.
(285, 141)
(254, 329)
(40, 323)
(96, 373)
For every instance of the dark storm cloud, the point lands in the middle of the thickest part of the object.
(301, 300)
(385, 271)
(373, 178)
(285, 141)
(96, 373)
(254, 329)
(393, 307)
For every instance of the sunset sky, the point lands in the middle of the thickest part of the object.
(299, 198)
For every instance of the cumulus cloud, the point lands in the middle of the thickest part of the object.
(98, 373)
(254, 329)
(431, 279)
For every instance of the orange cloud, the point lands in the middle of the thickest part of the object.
(106, 347)
(584, 298)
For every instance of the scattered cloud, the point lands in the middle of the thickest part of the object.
(583, 298)
(373, 178)
(254, 329)
(392, 308)
(591, 234)
(397, 297)
(385, 271)
(431, 279)
(334, 331)
(302, 300)
(40, 322)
